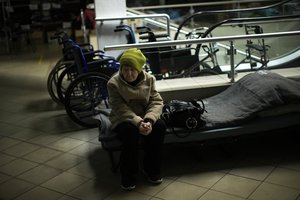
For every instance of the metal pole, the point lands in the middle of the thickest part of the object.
(232, 73)
(83, 27)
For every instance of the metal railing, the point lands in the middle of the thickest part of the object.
(205, 40)
(191, 5)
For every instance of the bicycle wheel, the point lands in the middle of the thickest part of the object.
(53, 79)
(86, 97)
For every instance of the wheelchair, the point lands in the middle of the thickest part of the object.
(80, 78)
(86, 92)
(64, 62)
(256, 52)
(176, 62)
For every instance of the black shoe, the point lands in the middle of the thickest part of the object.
(128, 188)
(128, 182)
(154, 179)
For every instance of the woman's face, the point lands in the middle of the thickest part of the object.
(129, 73)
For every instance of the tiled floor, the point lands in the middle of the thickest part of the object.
(44, 155)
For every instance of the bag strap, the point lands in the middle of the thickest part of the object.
(200, 107)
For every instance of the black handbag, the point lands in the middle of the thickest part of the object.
(183, 114)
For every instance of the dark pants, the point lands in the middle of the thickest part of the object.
(131, 140)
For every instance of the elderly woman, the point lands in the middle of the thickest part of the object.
(136, 108)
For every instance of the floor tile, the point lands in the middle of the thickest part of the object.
(4, 177)
(285, 177)
(21, 149)
(125, 195)
(65, 144)
(65, 197)
(94, 191)
(9, 129)
(291, 162)
(49, 122)
(178, 190)
(4, 158)
(268, 191)
(83, 169)
(42, 155)
(39, 193)
(85, 134)
(172, 154)
(11, 106)
(26, 134)
(203, 178)
(64, 182)
(236, 185)
(214, 195)
(7, 142)
(99, 169)
(14, 188)
(265, 156)
(62, 122)
(218, 162)
(84, 149)
(252, 170)
(40, 174)
(11, 118)
(64, 161)
(45, 139)
(17, 167)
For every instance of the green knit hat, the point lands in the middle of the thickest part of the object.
(133, 57)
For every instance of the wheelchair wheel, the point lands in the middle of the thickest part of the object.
(86, 97)
(71, 73)
(67, 76)
(53, 79)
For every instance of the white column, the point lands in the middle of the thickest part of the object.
(105, 31)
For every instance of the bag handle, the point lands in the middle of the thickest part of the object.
(201, 107)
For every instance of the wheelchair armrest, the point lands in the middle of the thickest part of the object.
(102, 61)
(158, 35)
(94, 52)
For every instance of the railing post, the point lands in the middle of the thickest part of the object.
(192, 11)
(232, 52)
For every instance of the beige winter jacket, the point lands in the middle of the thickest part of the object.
(134, 103)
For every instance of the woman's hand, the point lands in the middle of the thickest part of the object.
(145, 128)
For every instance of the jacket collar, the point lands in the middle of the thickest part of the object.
(141, 78)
